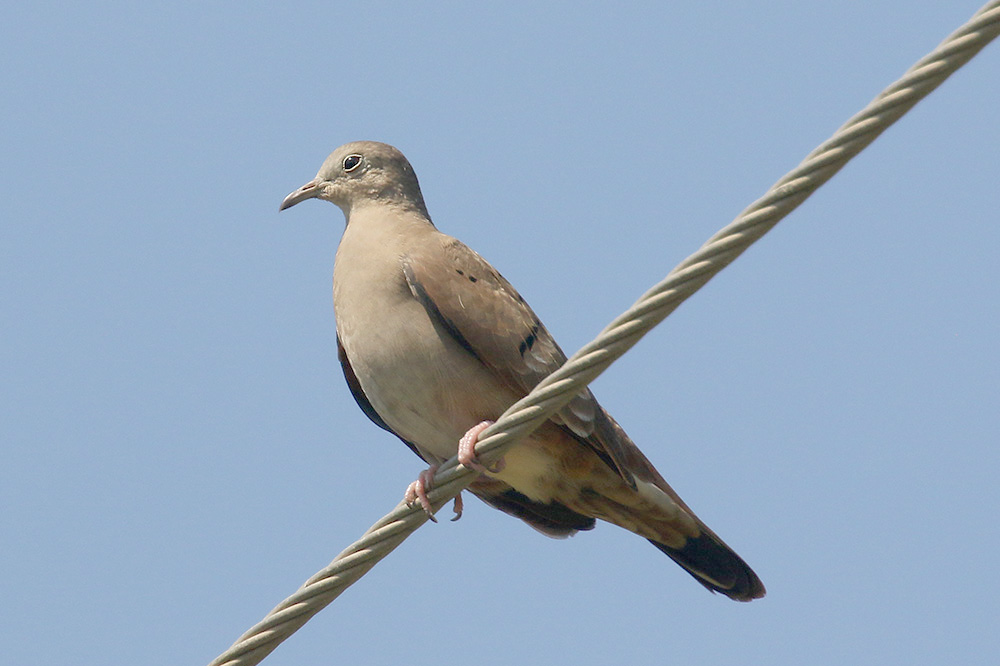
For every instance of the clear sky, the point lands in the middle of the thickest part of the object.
(180, 451)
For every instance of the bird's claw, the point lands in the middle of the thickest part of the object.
(416, 493)
(467, 450)
(457, 507)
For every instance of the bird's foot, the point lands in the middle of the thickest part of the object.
(416, 493)
(467, 450)
(457, 507)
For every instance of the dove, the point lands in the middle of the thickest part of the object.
(435, 345)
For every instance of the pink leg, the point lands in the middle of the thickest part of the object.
(467, 450)
(457, 507)
(416, 492)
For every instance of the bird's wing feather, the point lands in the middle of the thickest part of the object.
(487, 317)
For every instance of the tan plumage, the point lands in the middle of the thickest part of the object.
(434, 340)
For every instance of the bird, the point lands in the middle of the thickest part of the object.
(435, 345)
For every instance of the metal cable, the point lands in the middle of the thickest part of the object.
(558, 388)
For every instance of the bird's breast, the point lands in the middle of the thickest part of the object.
(422, 383)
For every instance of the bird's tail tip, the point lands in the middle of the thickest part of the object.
(713, 564)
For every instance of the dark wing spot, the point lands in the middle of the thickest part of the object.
(460, 271)
(529, 340)
(472, 279)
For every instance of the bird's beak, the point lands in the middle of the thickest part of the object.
(307, 191)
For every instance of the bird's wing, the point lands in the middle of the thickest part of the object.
(490, 320)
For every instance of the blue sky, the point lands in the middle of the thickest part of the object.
(180, 451)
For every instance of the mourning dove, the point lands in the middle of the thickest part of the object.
(435, 344)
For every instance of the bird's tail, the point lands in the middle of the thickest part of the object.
(672, 527)
(714, 564)
(644, 503)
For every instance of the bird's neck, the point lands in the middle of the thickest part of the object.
(389, 216)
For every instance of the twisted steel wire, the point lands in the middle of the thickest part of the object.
(621, 334)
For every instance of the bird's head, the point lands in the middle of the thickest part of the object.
(361, 173)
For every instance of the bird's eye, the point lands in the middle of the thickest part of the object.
(352, 162)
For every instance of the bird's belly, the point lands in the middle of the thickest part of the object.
(425, 386)
(430, 391)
